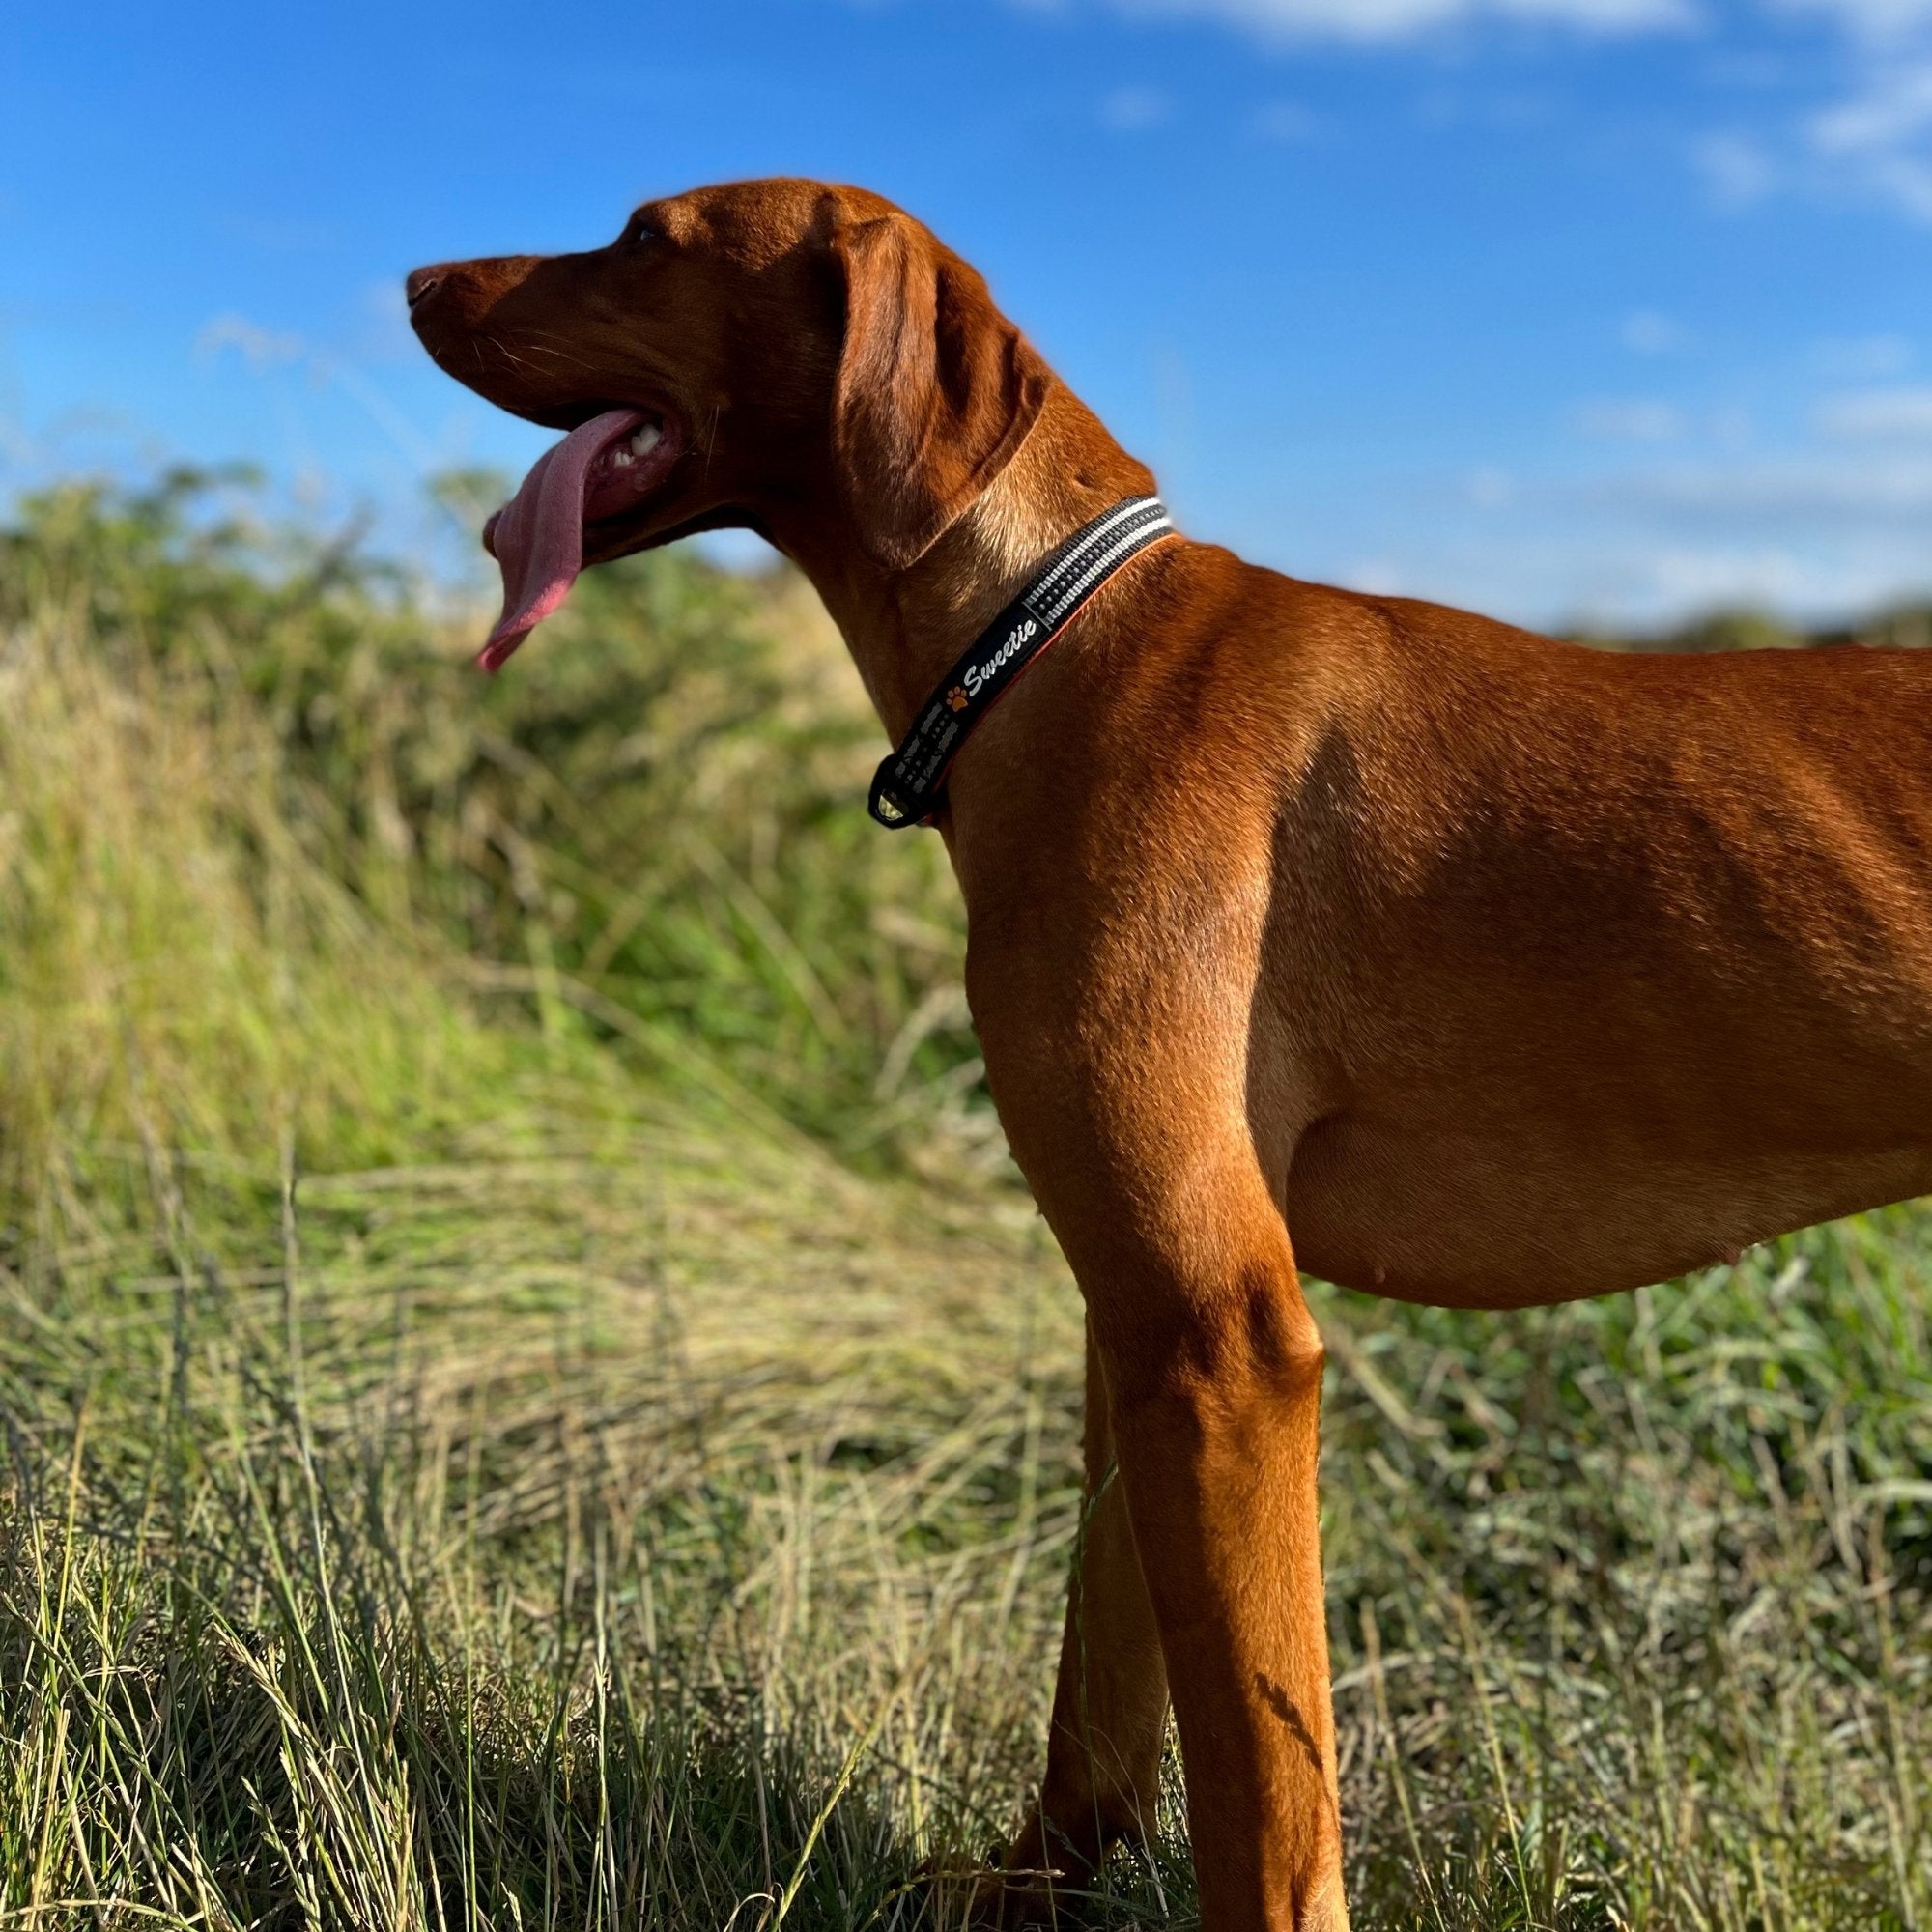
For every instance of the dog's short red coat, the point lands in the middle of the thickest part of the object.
(1492, 970)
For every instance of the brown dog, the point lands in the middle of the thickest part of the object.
(1492, 970)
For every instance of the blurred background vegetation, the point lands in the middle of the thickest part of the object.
(501, 1430)
(658, 825)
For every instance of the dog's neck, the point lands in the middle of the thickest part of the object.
(905, 628)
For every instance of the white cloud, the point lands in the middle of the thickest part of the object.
(1628, 421)
(1853, 358)
(1685, 578)
(1877, 416)
(1374, 577)
(1736, 169)
(1490, 488)
(1664, 583)
(1896, 107)
(1732, 427)
(1817, 535)
(1584, 568)
(1874, 140)
(1646, 331)
(1908, 182)
(1285, 120)
(1401, 19)
(1880, 137)
(1810, 493)
(1132, 110)
(259, 347)
(1873, 19)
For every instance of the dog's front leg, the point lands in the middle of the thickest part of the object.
(1216, 1386)
(1212, 1367)
(1110, 1704)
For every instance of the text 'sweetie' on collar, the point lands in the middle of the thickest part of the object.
(907, 788)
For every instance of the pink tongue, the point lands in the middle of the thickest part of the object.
(537, 536)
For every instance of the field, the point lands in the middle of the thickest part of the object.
(504, 1428)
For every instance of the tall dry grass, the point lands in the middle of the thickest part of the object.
(493, 1442)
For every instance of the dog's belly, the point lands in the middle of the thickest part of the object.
(1493, 1220)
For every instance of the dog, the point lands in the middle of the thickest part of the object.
(1451, 962)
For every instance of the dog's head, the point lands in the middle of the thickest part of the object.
(748, 351)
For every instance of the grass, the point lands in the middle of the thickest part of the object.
(502, 1432)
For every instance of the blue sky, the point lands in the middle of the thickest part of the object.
(1601, 310)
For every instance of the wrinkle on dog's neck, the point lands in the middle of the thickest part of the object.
(905, 628)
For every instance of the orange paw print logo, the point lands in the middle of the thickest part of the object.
(957, 697)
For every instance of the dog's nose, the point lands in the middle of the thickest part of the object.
(421, 281)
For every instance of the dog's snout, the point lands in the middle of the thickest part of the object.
(421, 281)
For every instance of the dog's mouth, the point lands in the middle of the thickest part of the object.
(578, 499)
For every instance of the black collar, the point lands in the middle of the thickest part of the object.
(908, 786)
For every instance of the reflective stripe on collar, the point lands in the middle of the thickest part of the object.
(908, 786)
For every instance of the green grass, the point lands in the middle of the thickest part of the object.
(499, 1430)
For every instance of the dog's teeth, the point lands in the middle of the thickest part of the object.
(646, 439)
(621, 459)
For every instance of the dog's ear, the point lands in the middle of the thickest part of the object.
(936, 387)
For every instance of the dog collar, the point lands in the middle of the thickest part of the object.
(908, 786)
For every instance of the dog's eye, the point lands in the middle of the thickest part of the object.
(639, 233)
